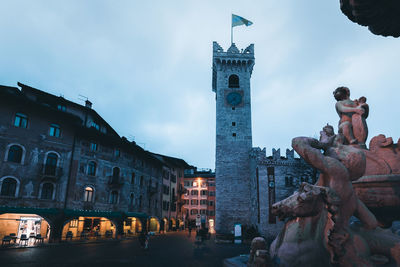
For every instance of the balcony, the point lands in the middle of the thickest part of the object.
(88, 205)
(115, 182)
(50, 172)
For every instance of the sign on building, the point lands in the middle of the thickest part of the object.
(238, 233)
(198, 220)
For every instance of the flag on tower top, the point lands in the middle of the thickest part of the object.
(238, 20)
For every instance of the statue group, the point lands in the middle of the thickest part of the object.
(318, 229)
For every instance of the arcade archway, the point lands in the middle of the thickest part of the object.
(24, 229)
(172, 224)
(154, 225)
(132, 226)
(88, 228)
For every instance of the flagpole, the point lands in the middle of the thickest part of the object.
(231, 35)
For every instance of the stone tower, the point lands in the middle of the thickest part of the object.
(231, 83)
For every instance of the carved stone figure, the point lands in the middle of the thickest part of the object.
(306, 237)
(258, 253)
(352, 115)
(318, 232)
(28, 188)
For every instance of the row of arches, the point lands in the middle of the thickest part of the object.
(35, 227)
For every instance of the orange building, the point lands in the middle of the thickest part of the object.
(198, 200)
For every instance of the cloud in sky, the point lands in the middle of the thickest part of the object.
(146, 66)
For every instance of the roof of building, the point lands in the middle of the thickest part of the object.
(201, 174)
(48, 102)
(171, 161)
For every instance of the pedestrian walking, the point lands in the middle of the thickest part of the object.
(144, 240)
(190, 230)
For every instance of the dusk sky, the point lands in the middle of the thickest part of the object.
(146, 66)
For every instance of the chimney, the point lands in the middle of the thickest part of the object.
(88, 104)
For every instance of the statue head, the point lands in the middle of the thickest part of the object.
(341, 93)
(308, 201)
(328, 129)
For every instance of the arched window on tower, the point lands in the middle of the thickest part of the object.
(233, 81)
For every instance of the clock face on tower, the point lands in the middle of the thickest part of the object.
(234, 98)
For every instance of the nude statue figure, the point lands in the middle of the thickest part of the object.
(339, 164)
(352, 115)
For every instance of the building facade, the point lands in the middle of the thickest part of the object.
(198, 200)
(65, 173)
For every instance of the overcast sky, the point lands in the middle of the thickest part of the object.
(146, 66)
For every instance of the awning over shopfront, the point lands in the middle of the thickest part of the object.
(93, 213)
(72, 212)
(28, 210)
(137, 214)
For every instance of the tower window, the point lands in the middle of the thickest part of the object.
(234, 134)
(233, 81)
(233, 108)
(233, 123)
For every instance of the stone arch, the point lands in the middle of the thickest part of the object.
(17, 187)
(20, 222)
(55, 152)
(133, 225)
(82, 227)
(8, 149)
(93, 192)
(154, 224)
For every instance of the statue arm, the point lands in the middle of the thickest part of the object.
(340, 108)
(310, 149)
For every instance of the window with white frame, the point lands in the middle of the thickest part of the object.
(51, 164)
(15, 154)
(54, 130)
(88, 196)
(21, 120)
(114, 197)
(47, 191)
(93, 146)
(8, 187)
(92, 168)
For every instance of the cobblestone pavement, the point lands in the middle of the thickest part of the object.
(172, 249)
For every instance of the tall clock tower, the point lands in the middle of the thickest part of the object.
(231, 83)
